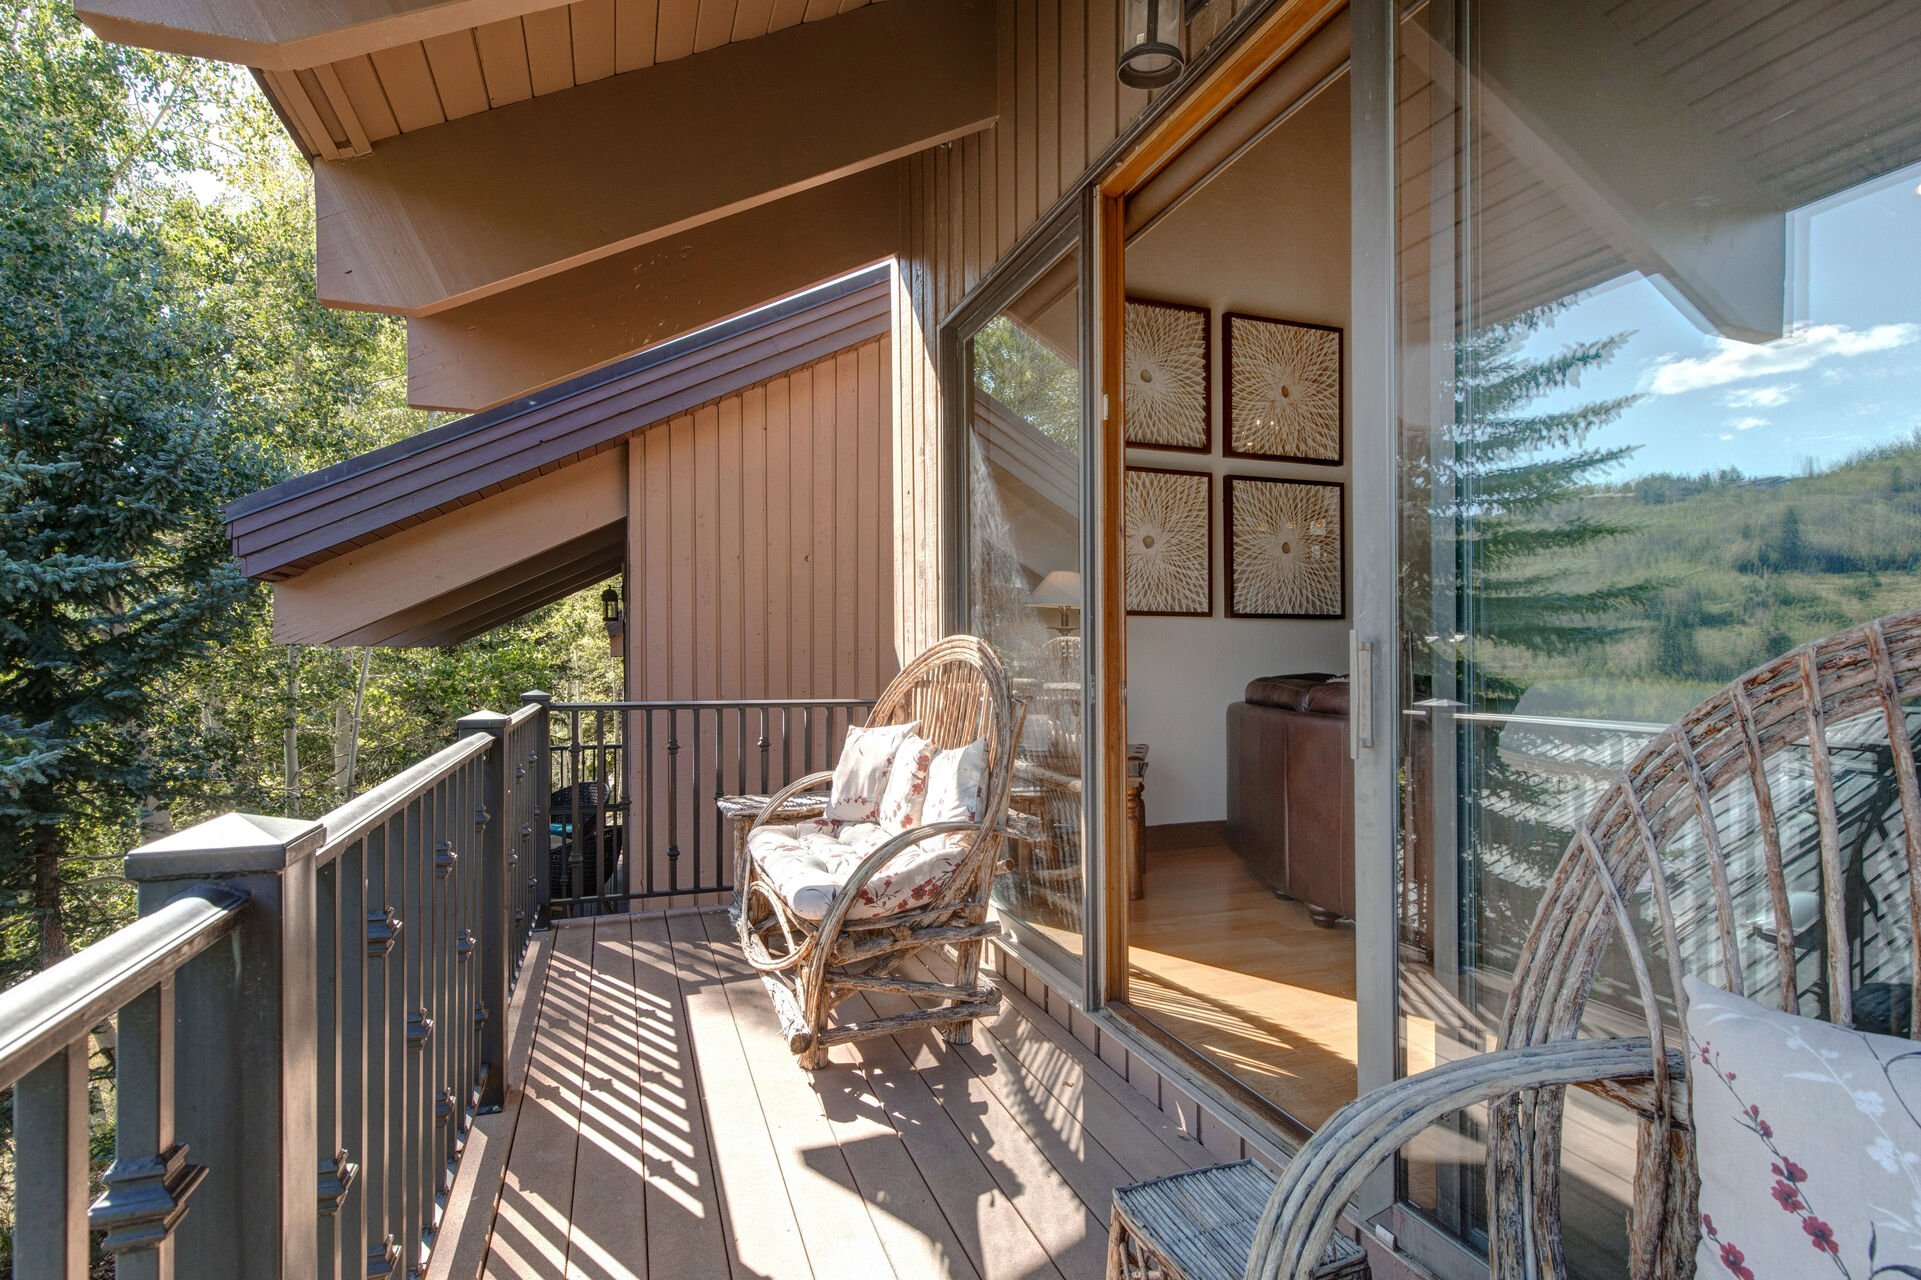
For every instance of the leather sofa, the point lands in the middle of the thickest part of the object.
(1290, 790)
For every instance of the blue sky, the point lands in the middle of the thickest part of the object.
(1848, 376)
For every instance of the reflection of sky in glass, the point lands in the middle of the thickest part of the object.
(1849, 379)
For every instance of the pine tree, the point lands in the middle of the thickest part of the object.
(113, 463)
(1500, 491)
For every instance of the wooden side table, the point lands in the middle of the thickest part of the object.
(1136, 820)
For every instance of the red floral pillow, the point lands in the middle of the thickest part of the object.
(1809, 1144)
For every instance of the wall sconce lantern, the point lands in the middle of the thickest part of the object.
(1151, 53)
(610, 615)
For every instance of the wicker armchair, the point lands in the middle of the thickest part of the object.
(958, 692)
(1778, 792)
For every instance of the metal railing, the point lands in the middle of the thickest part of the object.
(313, 1011)
(635, 787)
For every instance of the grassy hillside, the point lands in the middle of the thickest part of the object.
(1746, 567)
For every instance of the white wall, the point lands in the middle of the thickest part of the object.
(1267, 236)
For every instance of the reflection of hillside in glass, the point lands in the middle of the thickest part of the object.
(1749, 566)
(1029, 377)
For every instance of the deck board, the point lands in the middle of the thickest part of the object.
(664, 1131)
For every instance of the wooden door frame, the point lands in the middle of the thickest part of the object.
(1164, 140)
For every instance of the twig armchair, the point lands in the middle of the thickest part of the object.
(813, 960)
(1718, 853)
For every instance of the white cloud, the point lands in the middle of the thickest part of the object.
(1748, 423)
(1762, 397)
(1725, 435)
(1734, 361)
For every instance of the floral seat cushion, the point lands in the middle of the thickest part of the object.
(808, 862)
(1808, 1140)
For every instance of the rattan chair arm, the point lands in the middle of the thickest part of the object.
(787, 793)
(1327, 1172)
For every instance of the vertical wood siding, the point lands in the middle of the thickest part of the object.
(1060, 106)
(761, 546)
(760, 558)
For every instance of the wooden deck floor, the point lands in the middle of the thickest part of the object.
(663, 1130)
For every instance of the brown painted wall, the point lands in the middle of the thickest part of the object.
(1059, 108)
(760, 564)
(760, 560)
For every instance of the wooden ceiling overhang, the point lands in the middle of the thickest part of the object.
(541, 189)
(451, 532)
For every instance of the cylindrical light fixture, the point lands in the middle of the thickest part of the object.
(1151, 43)
(615, 623)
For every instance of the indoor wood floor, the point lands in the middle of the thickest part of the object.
(1220, 963)
(662, 1130)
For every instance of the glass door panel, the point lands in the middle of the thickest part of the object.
(1024, 464)
(1660, 318)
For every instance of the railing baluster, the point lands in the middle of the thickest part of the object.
(693, 789)
(763, 752)
(673, 800)
(421, 835)
(647, 762)
(399, 1017)
(383, 1024)
(332, 1156)
(50, 1168)
(350, 955)
(148, 1168)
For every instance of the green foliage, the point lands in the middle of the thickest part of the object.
(1031, 378)
(115, 453)
(1751, 567)
(1501, 482)
(161, 353)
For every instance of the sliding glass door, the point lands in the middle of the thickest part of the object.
(1659, 420)
(1021, 457)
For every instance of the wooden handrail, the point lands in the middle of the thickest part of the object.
(54, 1008)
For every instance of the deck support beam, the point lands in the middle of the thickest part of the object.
(477, 206)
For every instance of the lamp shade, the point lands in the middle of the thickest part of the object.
(1151, 54)
(1060, 589)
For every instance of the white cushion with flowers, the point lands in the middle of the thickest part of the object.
(860, 776)
(809, 862)
(955, 784)
(906, 792)
(1808, 1142)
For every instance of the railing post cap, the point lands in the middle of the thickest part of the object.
(536, 695)
(481, 721)
(232, 844)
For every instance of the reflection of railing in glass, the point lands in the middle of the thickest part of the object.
(1554, 769)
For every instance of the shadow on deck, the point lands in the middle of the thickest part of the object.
(657, 1127)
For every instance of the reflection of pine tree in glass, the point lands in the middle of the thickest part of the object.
(1029, 377)
(1498, 494)
(1494, 486)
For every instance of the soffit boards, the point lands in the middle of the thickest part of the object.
(347, 75)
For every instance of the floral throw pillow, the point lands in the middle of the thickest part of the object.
(1809, 1144)
(900, 803)
(955, 784)
(860, 776)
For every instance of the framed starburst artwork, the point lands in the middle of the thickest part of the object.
(1285, 557)
(1169, 529)
(1166, 403)
(1282, 390)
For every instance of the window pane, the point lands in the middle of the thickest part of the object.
(1024, 539)
(1660, 271)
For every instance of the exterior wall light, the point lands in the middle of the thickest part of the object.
(610, 615)
(1151, 34)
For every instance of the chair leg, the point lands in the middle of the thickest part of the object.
(967, 967)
